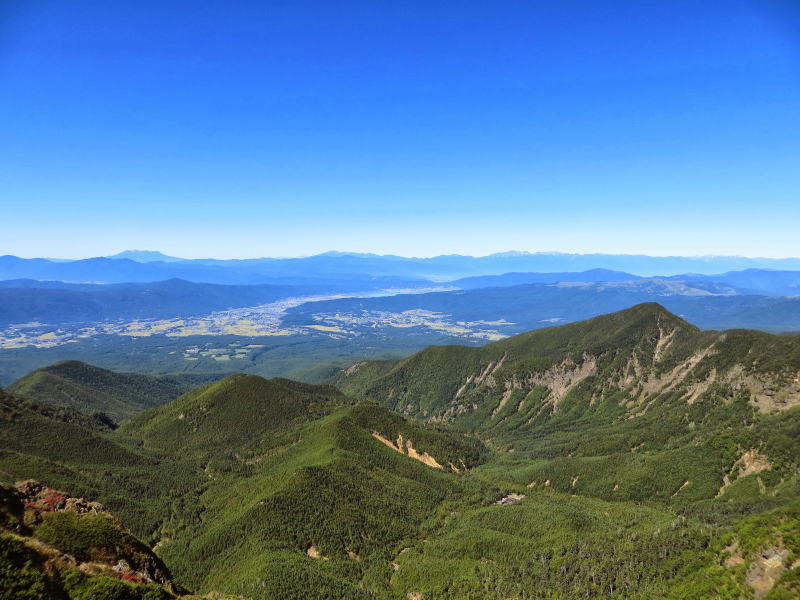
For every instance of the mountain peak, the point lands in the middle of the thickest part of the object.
(236, 408)
(648, 309)
(145, 256)
(88, 389)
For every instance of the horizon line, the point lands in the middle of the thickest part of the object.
(498, 254)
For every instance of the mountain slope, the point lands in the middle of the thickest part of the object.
(592, 460)
(44, 433)
(240, 416)
(233, 412)
(301, 496)
(636, 354)
(313, 509)
(637, 405)
(632, 408)
(242, 481)
(73, 452)
(89, 389)
(56, 546)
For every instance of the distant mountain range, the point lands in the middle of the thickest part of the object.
(537, 305)
(145, 256)
(749, 281)
(509, 279)
(144, 266)
(754, 281)
(246, 272)
(750, 299)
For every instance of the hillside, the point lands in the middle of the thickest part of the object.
(233, 412)
(636, 355)
(56, 546)
(291, 469)
(600, 459)
(88, 389)
(69, 451)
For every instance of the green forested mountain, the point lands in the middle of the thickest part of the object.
(629, 456)
(633, 357)
(298, 496)
(269, 489)
(629, 408)
(637, 405)
(88, 389)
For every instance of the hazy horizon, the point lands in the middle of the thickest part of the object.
(115, 254)
(405, 128)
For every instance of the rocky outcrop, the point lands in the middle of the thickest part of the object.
(750, 462)
(765, 570)
(39, 500)
(404, 446)
(28, 505)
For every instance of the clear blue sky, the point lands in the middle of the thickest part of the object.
(261, 128)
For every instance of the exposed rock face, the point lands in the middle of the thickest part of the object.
(406, 447)
(353, 369)
(734, 555)
(766, 569)
(749, 463)
(752, 462)
(683, 485)
(27, 505)
(43, 499)
(640, 355)
(313, 552)
(510, 499)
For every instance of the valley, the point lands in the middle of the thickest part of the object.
(257, 321)
(162, 328)
(629, 456)
(261, 320)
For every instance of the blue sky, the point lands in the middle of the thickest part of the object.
(417, 128)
